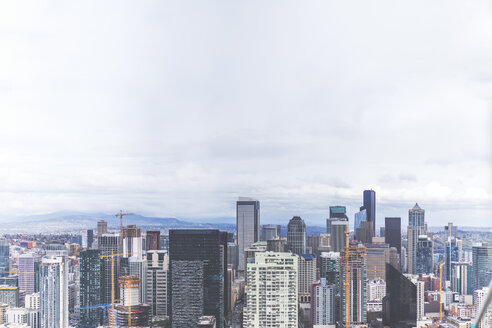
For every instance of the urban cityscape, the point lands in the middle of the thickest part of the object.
(117, 274)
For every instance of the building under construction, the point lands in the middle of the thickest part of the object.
(354, 279)
(130, 312)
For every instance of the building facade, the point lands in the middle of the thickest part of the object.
(247, 226)
(296, 235)
(416, 220)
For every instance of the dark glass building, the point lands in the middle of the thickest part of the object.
(4, 257)
(392, 232)
(90, 288)
(108, 244)
(400, 303)
(296, 235)
(425, 255)
(90, 238)
(153, 238)
(198, 267)
(369, 200)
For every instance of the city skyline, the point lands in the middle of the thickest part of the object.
(174, 117)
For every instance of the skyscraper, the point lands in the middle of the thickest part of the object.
(91, 292)
(27, 272)
(400, 303)
(337, 213)
(392, 232)
(364, 233)
(152, 240)
(454, 253)
(198, 265)
(461, 278)
(357, 280)
(53, 280)
(157, 282)
(415, 229)
(306, 276)
(359, 217)
(269, 231)
(424, 262)
(369, 199)
(337, 238)
(482, 264)
(4, 257)
(110, 244)
(102, 227)
(330, 269)
(90, 238)
(272, 291)
(247, 225)
(296, 235)
(323, 303)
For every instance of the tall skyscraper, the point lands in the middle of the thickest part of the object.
(461, 278)
(323, 303)
(424, 258)
(110, 244)
(102, 227)
(53, 280)
(482, 264)
(4, 257)
(337, 213)
(306, 276)
(357, 280)
(364, 233)
(91, 292)
(296, 235)
(454, 253)
(275, 305)
(392, 232)
(369, 199)
(377, 255)
(132, 241)
(198, 265)
(416, 219)
(153, 239)
(247, 225)
(337, 238)
(269, 231)
(359, 217)
(400, 303)
(27, 271)
(330, 269)
(157, 282)
(90, 238)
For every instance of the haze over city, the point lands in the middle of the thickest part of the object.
(119, 105)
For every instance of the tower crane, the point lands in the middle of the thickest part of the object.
(121, 215)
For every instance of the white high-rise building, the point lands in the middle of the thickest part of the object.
(32, 301)
(29, 317)
(478, 299)
(323, 303)
(53, 292)
(272, 291)
(247, 225)
(376, 290)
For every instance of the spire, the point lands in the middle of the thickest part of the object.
(416, 207)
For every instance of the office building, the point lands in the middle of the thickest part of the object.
(416, 218)
(132, 242)
(110, 244)
(4, 257)
(364, 233)
(91, 292)
(164, 243)
(27, 264)
(369, 201)
(22, 316)
(9, 295)
(137, 267)
(90, 238)
(296, 235)
(330, 269)
(381, 231)
(32, 301)
(337, 237)
(359, 217)
(247, 226)
(337, 213)
(198, 267)
(451, 230)
(424, 257)
(306, 276)
(278, 244)
(270, 231)
(275, 305)
(357, 279)
(153, 238)
(323, 303)
(482, 265)
(376, 290)
(53, 290)
(461, 278)
(130, 312)
(157, 282)
(206, 321)
(232, 255)
(377, 255)
(102, 227)
(454, 253)
(392, 232)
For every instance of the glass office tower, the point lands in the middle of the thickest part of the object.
(247, 225)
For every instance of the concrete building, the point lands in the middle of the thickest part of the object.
(337, 237)
(53, 289)
(157, 282)
(270, 231)
(306, 276)
(272, 291)
(206, 321)
(461, 278)
(29, 317)
(152, 240)
(102, 227)
(296, 235)
(330, 269)
(376, 290)
(277, 244)
(9, 295)
(247, 225)
(32, 301)
(323, 303)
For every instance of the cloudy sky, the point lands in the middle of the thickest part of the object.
(176, 108)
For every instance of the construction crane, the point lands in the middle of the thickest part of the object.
(347, 281)
(440, 291)
(121, 214)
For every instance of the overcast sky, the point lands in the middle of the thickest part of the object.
(176, 108)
